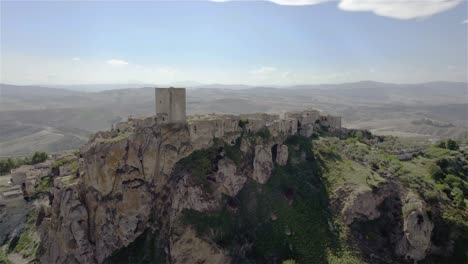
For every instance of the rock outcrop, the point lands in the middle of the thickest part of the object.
(121, 182)
(230, 182)
(417, 227)
(282, 155)
(187, 196)
(262, 164)
(361, 204)
(188, 248)
(408, 226)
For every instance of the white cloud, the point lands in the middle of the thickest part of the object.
(400, 9)
(288, 2)
(263, 70)
(298, 2)
(465, 22)
(76, 59)
(117, 63)
(286, 74)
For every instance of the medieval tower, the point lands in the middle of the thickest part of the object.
(171, 102)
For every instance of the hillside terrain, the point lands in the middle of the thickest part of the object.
(149, 196)
(51, 119)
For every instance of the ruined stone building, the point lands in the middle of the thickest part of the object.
(171, 108)
(170, 104)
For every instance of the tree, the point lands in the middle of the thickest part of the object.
(39, 157)
(452, 144)
(4, 167)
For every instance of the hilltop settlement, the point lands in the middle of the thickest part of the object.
(293, 187)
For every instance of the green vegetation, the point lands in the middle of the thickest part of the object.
(199, 166)
(58, 163)
(3, 256)
(44, 185)
(7, 164)
(28, 242)
(449, 144)
(243, 122)
(118, 137)
(286, 220)
(264, 133)
(432, 172)
(233, 152)
(359, 136)
(39, 157)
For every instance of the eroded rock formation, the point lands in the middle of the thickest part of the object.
(121, 182)
(263, 163)
(417, 227)
(282, 155)
(400, 213)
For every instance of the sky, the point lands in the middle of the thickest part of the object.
(269, 42)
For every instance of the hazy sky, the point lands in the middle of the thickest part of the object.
(278, 42)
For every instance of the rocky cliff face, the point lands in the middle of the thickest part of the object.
(261, 199)
(126, 184)
(122, 181)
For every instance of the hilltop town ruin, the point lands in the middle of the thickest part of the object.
(171, 108)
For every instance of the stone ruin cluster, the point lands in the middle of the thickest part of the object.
(204, 128)
(25, 178)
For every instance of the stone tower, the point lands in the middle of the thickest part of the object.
(171, 102)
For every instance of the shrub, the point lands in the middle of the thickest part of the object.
(453, 180)
(431, 196)
(6, 165)
(233, 152)
(61, 162)
(458, 198)
(243, 122)
(264, 133)
(452, 144)
(199, 165)
(45, 184)
(443, 187)
(358, 135)
(39, 157)
(442, 163)
(442, 145)
(435, 172)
